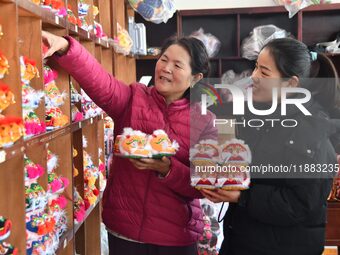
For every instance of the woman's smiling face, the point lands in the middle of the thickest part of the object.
(265, 77)
(173, 73)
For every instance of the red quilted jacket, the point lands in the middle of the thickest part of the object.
(137, 203)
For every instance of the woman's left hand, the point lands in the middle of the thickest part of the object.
(160, 165)
(220, 195)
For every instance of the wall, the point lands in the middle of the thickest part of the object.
(212, 4)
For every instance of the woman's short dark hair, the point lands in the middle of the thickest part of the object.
(199, 59)
(293, 58)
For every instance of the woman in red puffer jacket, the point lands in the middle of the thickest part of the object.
(149, 206)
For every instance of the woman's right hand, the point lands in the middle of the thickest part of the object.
(54, 43)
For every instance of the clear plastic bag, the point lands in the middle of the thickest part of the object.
(294, 6)
(156, 11)
(212, 44)
(104, 240)
(260, 36)
(209, 242)
(242, 80)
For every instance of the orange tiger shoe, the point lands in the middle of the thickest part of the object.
(4, 66)
(5, 228)
(133, 143)
(161, 145)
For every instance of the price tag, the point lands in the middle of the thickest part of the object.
(76, 29)
(91, 120)
(56, 19)
(79, 124)
(99, 40)
(65, 243)
(88, 35)
(2, 156)
(102, 115)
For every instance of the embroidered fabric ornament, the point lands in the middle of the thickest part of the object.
(53, 96)
(30, 97)
(56, 6)
(55, 118)
(33, 125)
(28, 69)
(79, 207)
(8, 249)
(6, 96)
(122, 43)
(36, 199)
(32, 171)
(11, 130)
(233, 154)
(98, 30)
(90, 197)
(83, 10)
(52, 161)
(136, 144)
(57, 184)
(76, 114)
(72, 18)
(4, 66)
(5, 228)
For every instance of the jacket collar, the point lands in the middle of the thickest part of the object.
(176, 105)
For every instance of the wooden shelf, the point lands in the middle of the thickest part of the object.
(27, 8)
(22, 22)
(13, 151)
(20, 146)
(147, 57)
(102, 42)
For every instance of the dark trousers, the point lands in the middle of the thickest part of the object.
(119, 246)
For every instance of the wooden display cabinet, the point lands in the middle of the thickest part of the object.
(22, 22)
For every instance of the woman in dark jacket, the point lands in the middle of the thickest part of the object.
(285, 212)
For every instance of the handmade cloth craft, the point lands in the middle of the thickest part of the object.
(136, 144)
(11, 130)
(6, 96)
(233, 157)
(55, 118)
(4, 66)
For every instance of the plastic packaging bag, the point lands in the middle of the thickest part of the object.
(260, 36)
(104, 240)
(209, 242)
(293, 6)
(212, 44)
(156, 11)
(242, 80)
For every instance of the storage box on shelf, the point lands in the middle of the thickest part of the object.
(22, 22)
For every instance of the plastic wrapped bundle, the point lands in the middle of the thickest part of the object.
(260, 36)
(156, 11)
(211, 43)
(296, 5)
